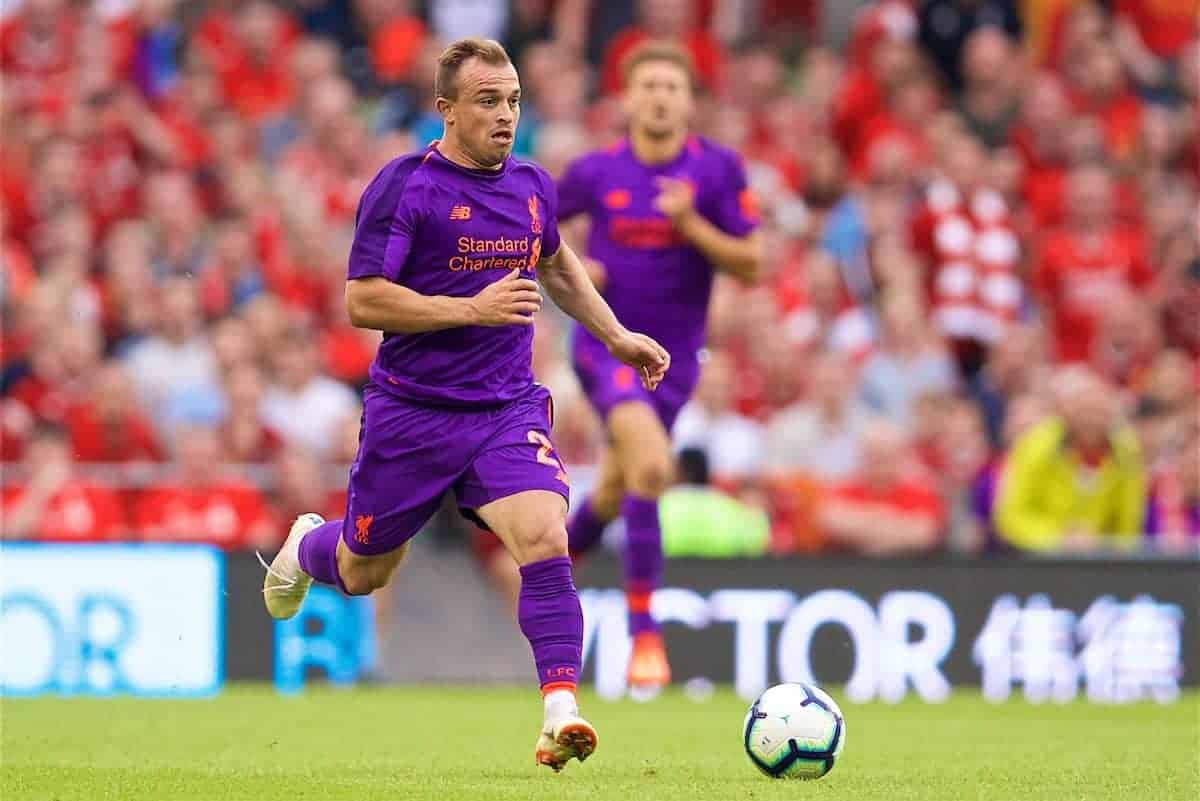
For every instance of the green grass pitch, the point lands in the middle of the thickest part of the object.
(477, 744)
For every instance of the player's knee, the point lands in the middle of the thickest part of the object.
(649, 478)
(606, 500)
(364, 579)
(358, 582)
(545, 541)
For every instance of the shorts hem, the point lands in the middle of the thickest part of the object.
(470, 513)
(386, 545)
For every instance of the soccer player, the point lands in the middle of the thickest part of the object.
(667, 210)
(447, 243)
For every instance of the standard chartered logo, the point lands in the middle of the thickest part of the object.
(500, 253)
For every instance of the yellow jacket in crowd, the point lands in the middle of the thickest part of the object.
(1047, 491)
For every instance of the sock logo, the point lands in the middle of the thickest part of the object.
(565, 672)
(362, 528)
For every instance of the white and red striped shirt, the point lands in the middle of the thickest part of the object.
(973, 253)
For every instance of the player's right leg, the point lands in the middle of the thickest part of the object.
(408, 456)
(607, 383)
(643, 449)
(600, 508)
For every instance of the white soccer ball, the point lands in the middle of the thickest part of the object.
(794, 731)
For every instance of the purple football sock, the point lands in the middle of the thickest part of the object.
(585, 529)
(643, 560)
(318, 554)
(552, 620)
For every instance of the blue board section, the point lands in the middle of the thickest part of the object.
(331, 633)
(112, 619)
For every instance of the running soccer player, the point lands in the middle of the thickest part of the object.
(667, 210)
(446, 246)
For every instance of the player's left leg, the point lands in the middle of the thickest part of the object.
(408, 456)
(643, 449)
(607, 383)
(517, 488)
(499, 566)
(532, 525)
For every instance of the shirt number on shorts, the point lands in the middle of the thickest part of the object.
(547, 456)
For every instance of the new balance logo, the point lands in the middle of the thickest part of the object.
(460, 213)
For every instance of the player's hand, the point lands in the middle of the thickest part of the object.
(641, 352)
(675, 198)
(512, 300)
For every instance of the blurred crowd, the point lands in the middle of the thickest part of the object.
(979, 328)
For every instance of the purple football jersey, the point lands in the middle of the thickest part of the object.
(657, 283)
(438, 228)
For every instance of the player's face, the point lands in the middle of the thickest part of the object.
(658, 99)
(484, 116)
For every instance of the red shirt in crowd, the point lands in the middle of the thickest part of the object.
(1044, 190)
(131, 439)
(859, 99)
(42, 399)
(1166, 26)
(243, 443)
(846, 330)
(230, 514)
(346, 354)
(395, 47)
(908, 500)
(1075, 278)
(112, 176)
(18, 275)
(256, 88)
(1121, 118)
(886, 127)
(339, 186)
(78, 512)
(38, 70)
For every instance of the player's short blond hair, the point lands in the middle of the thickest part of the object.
(658, 50)
(489, 51)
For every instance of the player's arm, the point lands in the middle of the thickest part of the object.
(740, 256)
(377, 303)
(576, 202)
(566, 281)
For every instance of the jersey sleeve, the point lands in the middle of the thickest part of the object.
(384, 228)
(575, 189)
(550, 237)
(737, 208)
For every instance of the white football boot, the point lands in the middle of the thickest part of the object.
(565, 735)
(286, 583)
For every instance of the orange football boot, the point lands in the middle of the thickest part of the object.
(649, 670)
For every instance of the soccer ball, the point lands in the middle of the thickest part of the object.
(794, 731)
